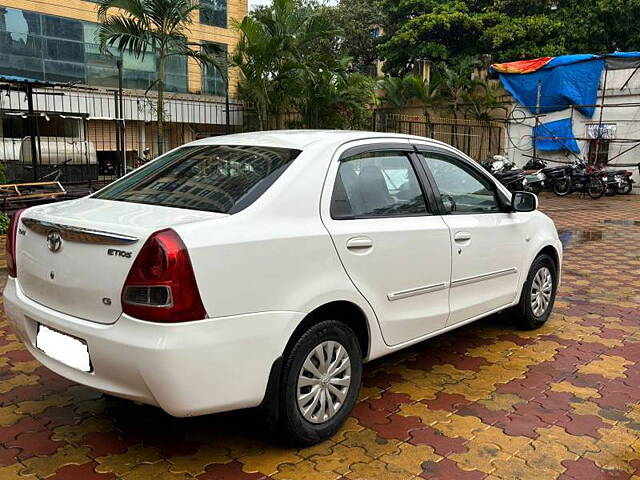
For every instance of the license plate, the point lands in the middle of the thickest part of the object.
(69, 350)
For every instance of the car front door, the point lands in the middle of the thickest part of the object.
(396, 252)
(487, 242)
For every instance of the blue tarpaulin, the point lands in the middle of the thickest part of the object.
(563, 82)
(555, 136)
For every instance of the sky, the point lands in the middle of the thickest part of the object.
(255, 3)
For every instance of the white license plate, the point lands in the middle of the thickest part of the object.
(66, 349)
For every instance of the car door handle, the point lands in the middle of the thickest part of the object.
(462, 236)
(359, 243)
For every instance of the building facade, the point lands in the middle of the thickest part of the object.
(50, 41)
(56, 41)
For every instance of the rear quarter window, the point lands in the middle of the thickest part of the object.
(214, 178)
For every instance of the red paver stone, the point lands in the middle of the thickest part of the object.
(446, 469)
(81, 472)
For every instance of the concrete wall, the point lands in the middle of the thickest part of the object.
(625, 118)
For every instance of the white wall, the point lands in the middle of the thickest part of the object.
(626, 119)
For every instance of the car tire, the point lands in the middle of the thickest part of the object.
(328, 338)
(527, 312)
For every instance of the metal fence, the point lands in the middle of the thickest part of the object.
(88, 137)
(77, 139)
(479, 140)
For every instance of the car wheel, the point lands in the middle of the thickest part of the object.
(320, 383)
(538, 294)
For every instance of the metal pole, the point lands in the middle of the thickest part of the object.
(226, 104)
(537, 119)
(121, 125)
(604, 93)
(33, 124)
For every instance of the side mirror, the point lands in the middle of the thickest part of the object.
(524, 202)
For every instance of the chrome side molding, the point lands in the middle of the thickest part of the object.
(412, 292)
(78, 234)
(484, 276)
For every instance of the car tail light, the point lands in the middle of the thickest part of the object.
(10, 247)
(161, 286)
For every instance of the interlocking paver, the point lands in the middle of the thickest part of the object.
(485, 401)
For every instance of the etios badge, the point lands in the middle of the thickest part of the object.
(54, 240)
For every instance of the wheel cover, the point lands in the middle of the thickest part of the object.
(541, 290)
(323, 382)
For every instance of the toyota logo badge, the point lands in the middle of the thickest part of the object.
(54, 241)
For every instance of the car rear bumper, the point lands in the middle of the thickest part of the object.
(187, 369)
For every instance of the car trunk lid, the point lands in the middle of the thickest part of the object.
(74, 257)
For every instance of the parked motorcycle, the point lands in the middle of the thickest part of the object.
(582, 181)
(503, 170)
(551, 174)
(617, 181)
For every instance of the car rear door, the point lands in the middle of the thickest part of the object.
(487, 243)
(379, 211)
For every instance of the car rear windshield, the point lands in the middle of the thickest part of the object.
(213, 178)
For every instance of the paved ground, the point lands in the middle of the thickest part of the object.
(485, 401)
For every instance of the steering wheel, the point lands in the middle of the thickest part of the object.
(448, 202)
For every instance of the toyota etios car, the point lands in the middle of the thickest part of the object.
(265, 268)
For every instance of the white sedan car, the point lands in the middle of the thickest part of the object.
(265, 268)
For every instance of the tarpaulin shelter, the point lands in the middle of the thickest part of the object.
(550, 84)
(553, 84)
(555, 136)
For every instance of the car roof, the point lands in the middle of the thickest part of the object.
(301, 139)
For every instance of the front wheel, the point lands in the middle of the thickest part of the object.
(320, 383)
(596, 188)
(535, 187)
(626, 188)
(538, 294)
(562, 187)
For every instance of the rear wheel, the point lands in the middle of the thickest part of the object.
(320, 383)
(538, 294)
(596, 188)
(562, 187)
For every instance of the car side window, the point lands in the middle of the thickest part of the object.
(462, 189)
(377, 184)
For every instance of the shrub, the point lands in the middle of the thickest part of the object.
(4, 223)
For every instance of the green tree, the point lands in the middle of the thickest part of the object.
(152, 27)
(451, 30)
(399, 91)
(289, 60)
(360, 22)
(279, 52)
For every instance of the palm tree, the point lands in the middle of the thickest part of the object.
(280, 56)
(152, 27)
(398, 91)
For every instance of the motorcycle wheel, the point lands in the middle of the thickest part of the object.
(535, 187)
(596, 188)
(626, 188)
(562, 187)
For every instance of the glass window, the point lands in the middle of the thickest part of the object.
(462, 189)
(377, 184)
(214, 178)
(213, 82)
(64, 50)
(66, 28)
(213, 12)
(64, 72)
